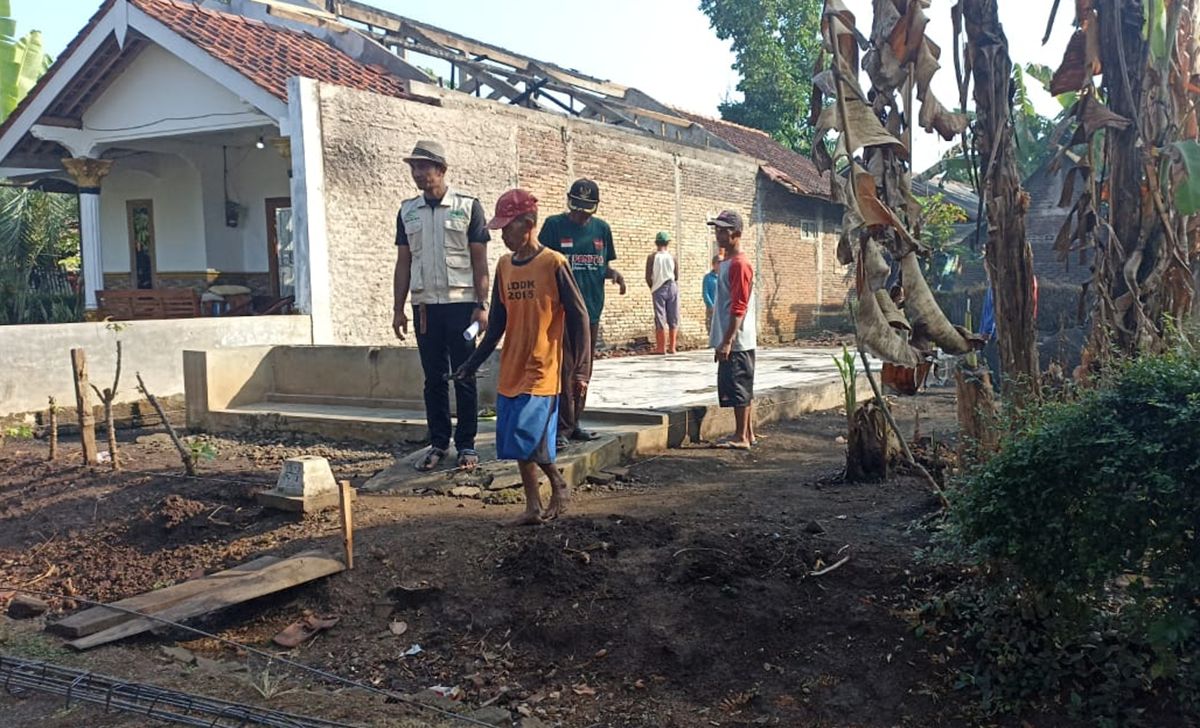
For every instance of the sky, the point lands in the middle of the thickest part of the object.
(662, 47)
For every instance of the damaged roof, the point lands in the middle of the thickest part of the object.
(789, 168)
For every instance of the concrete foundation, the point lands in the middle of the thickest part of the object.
(367, 393)
(639, 405)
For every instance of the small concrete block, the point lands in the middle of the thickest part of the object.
(26, 607)
(300, 503)
(306, 475)
(305, 485)
(465, 491)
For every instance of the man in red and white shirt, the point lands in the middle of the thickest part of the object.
(733, 335)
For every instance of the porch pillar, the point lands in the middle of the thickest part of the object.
(87, 173)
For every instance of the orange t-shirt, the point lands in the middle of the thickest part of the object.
(530, 292)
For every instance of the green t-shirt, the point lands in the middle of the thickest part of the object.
(589, 248)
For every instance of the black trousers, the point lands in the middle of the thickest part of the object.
(570, 406)
(443, 349)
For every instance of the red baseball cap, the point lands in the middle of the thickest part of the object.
(511, 205)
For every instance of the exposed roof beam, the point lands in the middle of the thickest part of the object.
(401, 25)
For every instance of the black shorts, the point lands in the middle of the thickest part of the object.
(735, 379)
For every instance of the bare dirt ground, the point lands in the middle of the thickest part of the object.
(682, 597)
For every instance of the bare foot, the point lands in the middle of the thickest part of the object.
(559, 501)
(528, 518)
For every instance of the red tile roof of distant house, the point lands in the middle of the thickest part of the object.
(779, 162)
(266, 54)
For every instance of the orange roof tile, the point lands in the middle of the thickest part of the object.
(777, 159)
(266, 54)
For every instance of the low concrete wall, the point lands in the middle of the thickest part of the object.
(387, 377)
(35, 360)
(706, 423)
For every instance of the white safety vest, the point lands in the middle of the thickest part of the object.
(441, 256)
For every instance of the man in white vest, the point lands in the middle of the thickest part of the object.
(441, 244)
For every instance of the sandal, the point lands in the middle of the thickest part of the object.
(433, 458)
(728, 444)
(468, 459)
(581, 435)
(297, 633)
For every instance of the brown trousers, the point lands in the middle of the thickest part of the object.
(570, 407)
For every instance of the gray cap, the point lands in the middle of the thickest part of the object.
(727, 219)
(429, 151)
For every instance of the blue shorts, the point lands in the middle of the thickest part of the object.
(527, 428)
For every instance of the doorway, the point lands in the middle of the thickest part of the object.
(143, 265)
(281, 251)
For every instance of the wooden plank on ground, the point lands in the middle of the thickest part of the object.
(272, 578)
(91, 621)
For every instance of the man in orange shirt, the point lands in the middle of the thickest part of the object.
(534, 300)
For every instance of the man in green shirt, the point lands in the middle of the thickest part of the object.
(587, 242)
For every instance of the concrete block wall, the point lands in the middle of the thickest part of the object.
(646, 185)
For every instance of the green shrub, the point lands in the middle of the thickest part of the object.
(1084, 527)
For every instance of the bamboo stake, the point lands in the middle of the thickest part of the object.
(189, 462)
(107, 396)
(53, 423)
(345, 498)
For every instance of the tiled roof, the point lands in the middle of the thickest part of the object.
(268, 55)
(796, 168)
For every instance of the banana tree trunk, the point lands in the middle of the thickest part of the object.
(1008, 256)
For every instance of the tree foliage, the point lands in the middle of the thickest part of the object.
(38, 230)
(22, 61)
(938, 218)
(1032, 132)
(777, 43)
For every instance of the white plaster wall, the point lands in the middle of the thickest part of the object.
(254, 175)
(173, 184)
(35, 360)
(159, 93)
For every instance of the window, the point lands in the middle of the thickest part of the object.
(808, 229)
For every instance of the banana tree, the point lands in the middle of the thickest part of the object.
(1135, 69)
(1008, 255)
(22, 61)
(881, 225)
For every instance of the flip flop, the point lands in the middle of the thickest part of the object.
(297, 633)
(581, 435)
(468, 459)
(728, 444)
(432, 459)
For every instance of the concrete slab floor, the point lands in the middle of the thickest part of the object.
(690, 378)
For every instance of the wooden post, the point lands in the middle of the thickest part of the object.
(53, 424)
(83, 404)
(346, 496)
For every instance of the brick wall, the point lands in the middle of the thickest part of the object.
(646, 185)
